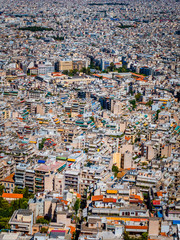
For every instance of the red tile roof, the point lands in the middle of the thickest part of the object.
(136, 227)
(9, 178)
(108, 200)
(12, 195)
(97, 198)
(156, 202)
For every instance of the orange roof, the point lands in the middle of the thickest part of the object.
(136, 227)
(64, 201)
(12, 195)
(78, 195)
(9, 178)
(127, 138)
(163, 234)
(119, 76)
(138, 219)
(141, 79)
(97, 198)
(135, 196)
(73, 229)
(159, 194)
(137, 75)
(96, 75)
(142, 102)
(108, 200)
(33, 68)
(121, 174)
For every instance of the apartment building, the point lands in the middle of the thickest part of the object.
(24, 177)
(65, 65)
(21, 221)
(79, 64)
(45, 68)
(72, 180)
(6, 168)
(44, 175)
(86, 179)
(8, 183)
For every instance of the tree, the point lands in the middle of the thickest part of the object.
(138, 96)
(77, 205)
(133, 103)
(44, 230)
(123, 69)
(65, 72)
(4, 204)
(85, 70)
(149, 103)
(42, 221)
(157, 114)
(86, 150)
(1, 189)
(26, 192)
(144, 236)
(74, 235)
(72, 72)
(112, 66)
(17, 190)
(92, 118)
(115, 170)
(41, 145)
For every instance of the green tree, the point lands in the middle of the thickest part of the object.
(112, 67)
(17, 190)
(144, 236)
(157, 114)
(74, 236)
(3, 204)
(86, 70)
(133, 103)
(72, 72)
(138, 96)
(92, 118)
(1, 189)
(76, 205)
(115, 170)
(41, 145)
(149, 103)
(42, 221)
(65, 72)
(123, 69)
(44, 230)
(4, 223)
(26, 192)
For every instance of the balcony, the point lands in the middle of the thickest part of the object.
(38, 179)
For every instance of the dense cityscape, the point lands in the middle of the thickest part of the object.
(89, 120)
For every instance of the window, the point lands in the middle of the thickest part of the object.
(11, 184)
(123, 213)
